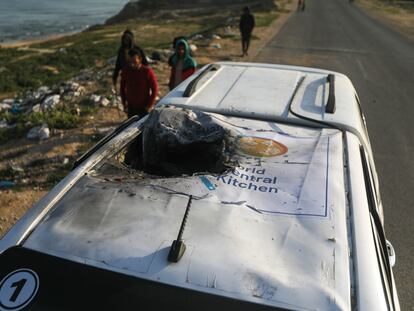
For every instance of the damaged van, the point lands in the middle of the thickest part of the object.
(248, 187)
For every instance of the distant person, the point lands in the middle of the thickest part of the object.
(246, 26)
(301, 5)
(182, 64)
(139, 87)
(127, 43)
(174, 46)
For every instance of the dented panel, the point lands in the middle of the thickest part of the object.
(283, 238)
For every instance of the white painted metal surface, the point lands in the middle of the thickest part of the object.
(268, 247)
(267, 91)
(314, 252)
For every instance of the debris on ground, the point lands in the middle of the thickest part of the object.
(197, 37)
(193, 48)
(4, 124)
(216, 45)
(50, 102)
(95, 98)
(5, 184)
(39, 132)
(5, 106)
(104, 102)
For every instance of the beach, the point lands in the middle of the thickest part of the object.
(40, 19)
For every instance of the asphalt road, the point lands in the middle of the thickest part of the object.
(338, 36)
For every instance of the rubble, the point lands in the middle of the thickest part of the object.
(36, 108)
(41, 92)
(216, 45)
(16, 168)
(104, 102)
(4, 124)
(5, 107)
(50, 102)
(197, 37)
(39, 132)
(95, 98)
(193, 48)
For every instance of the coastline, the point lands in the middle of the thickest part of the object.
(30, 41)
(81, 65)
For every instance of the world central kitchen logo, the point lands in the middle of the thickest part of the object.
(255, 178)
(251, 179)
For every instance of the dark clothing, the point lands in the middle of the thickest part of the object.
(122, 60)
(246, 24)
(245, 42)
(139, 88)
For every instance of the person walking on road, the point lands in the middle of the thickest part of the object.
(127, 43)
(301, 5)
(182, 64)
(139, 87)
(246, 26)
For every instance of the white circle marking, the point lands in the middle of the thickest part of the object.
(18, 289)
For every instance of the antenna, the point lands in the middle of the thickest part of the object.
(178, 247)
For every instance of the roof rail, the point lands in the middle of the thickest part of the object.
(104, 140)
(331, 105)
(191, 87)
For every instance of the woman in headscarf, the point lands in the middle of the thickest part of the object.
(182, 64)
(127, 43)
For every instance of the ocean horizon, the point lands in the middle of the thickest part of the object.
(32, 19)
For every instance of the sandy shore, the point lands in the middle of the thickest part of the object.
(28, 42)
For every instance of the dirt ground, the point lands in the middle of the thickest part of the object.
(36, 166)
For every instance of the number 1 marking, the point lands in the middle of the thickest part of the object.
(19, 286)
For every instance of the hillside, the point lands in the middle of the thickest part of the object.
(174, 8)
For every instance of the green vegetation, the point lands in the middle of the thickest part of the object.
(63, 118)
(6, 173)
(54, 61)
(31, 68)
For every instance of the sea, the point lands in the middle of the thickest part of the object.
(32, 19)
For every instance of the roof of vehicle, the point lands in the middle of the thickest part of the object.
(273, 231)
(274, 93)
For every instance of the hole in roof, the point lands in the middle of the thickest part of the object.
(177, 142)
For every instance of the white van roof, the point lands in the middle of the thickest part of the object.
(274, 93)
(273, 232)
